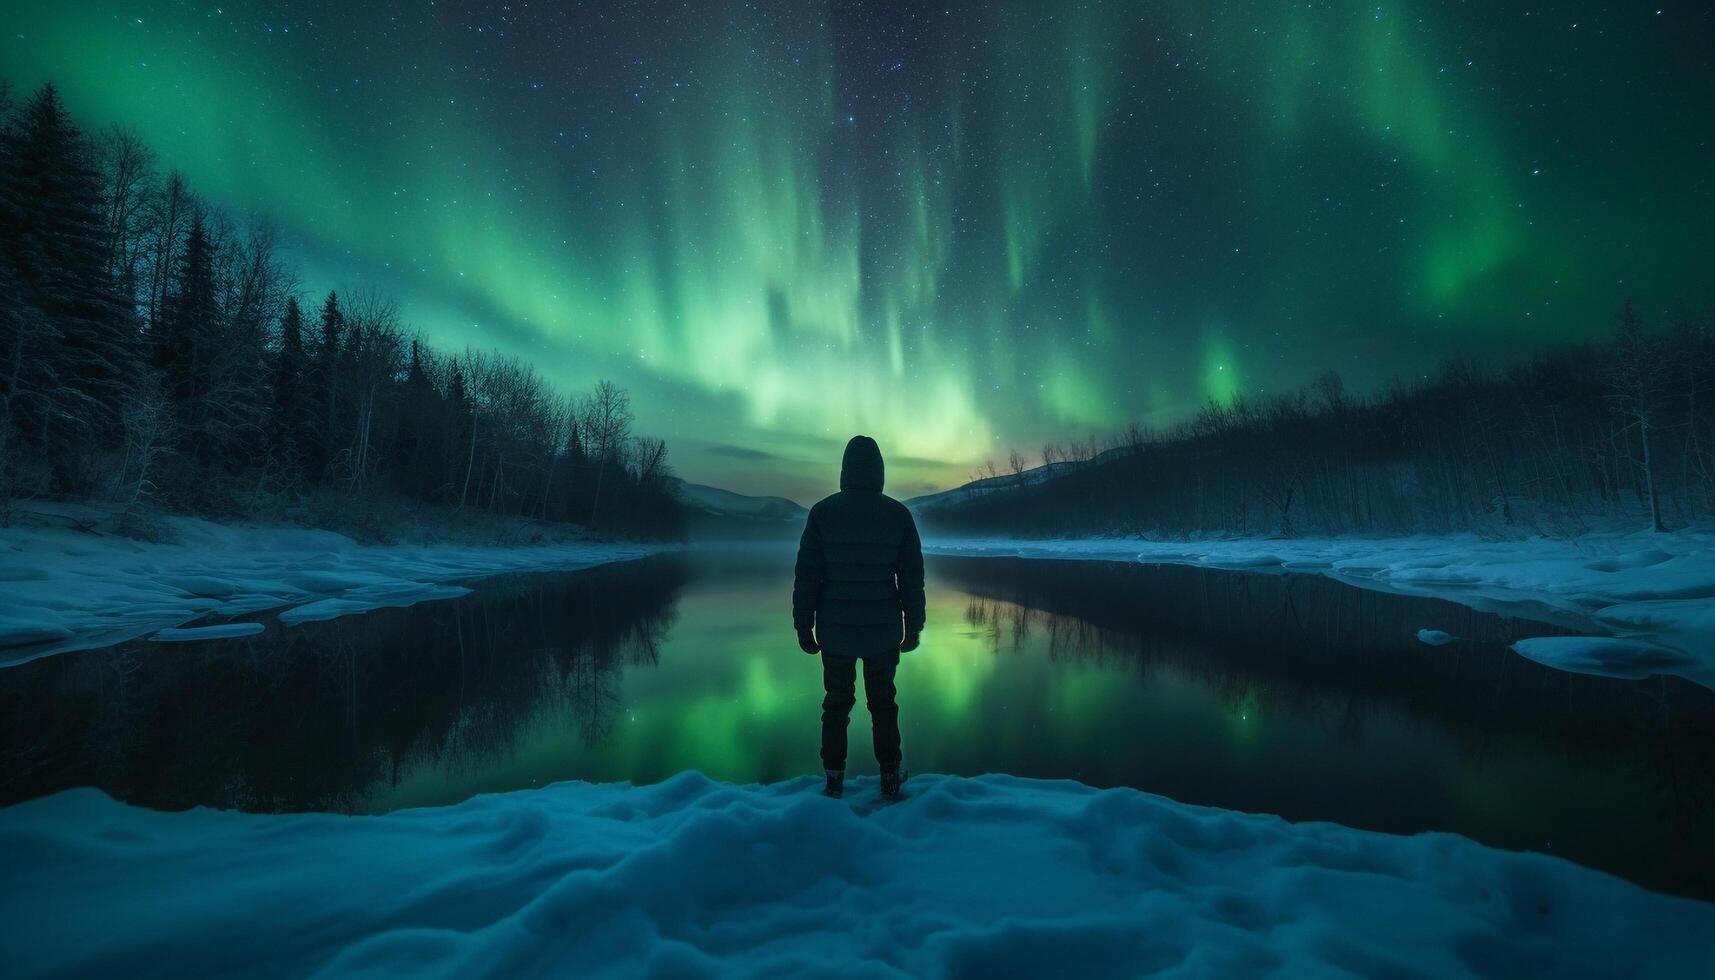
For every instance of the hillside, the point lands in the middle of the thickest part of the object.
(711, 512)
(1560, 444)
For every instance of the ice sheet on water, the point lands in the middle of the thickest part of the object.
(221, 631)
(23, 631)
(1605, 655)
(362, 601)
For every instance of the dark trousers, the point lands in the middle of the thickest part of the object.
(839, 680)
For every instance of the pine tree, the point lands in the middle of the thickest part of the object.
(68, 344)
(419, 432)
(461, 443)
(415, 378)
(29, 385)
(289, 417)
(324, 386)
(184, 345)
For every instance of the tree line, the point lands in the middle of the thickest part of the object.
(154, 350)
(1621, 429)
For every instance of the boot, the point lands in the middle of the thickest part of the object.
(836, 787)
(890, 783)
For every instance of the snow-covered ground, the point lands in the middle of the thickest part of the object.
(967, 877)
(1649, 598)
(63, 589)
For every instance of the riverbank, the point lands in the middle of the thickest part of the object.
(614, 880)
(74, 586)
(1646, 600)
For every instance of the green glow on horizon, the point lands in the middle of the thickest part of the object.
(1012, 235)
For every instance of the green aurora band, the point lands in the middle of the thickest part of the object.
(959, 228)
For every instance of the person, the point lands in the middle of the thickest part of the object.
(857, 595)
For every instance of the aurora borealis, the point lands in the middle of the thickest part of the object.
(958, 227)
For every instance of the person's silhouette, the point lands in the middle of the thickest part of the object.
(858, 595)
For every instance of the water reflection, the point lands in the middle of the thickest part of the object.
(1287, 694)
(1301, 696)
(314, 717)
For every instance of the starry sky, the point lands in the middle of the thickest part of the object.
(958, 227)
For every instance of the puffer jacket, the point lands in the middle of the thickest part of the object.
(859, 577)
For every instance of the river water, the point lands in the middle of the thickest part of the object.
(1287, 694)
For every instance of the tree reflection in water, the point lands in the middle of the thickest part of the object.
(1307, 650)
(312, 717)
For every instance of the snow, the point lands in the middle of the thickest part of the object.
(20, 630)
(64, 589)
(987, 876)
(1435, 638)
(1605, 655)
(1656, 590)
(224, 631)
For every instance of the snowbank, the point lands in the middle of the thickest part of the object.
(1606, 655)
(71, 590)
(1656, 591)
(987, 876)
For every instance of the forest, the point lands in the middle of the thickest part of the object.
(1622, 430)
(159, 353)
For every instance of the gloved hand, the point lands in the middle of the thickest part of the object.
(910, 644)
(807, 642)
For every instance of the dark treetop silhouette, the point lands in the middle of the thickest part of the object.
(153, 352)
(858, 594)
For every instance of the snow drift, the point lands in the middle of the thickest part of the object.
(696, 878)
(67, 590)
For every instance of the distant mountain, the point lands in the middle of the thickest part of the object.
(1006, 481)
(714, 512)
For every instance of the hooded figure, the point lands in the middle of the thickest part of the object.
(858, 595)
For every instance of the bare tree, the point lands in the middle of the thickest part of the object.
(1134, 437)
(1282, 458)
(1015, 464)
(649, 454)
(32, 385)
(520, 412)
(1637, 383)
(376, 343)
(128, 169)
(559, 421)
(255, 282)
(474, 369)
(168, 218)
(1693, 347)
(1332, 388)
(147, 417)
(606, 424)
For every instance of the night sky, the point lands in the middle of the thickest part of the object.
(957, 227)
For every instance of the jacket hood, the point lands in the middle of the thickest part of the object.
(862, 468)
